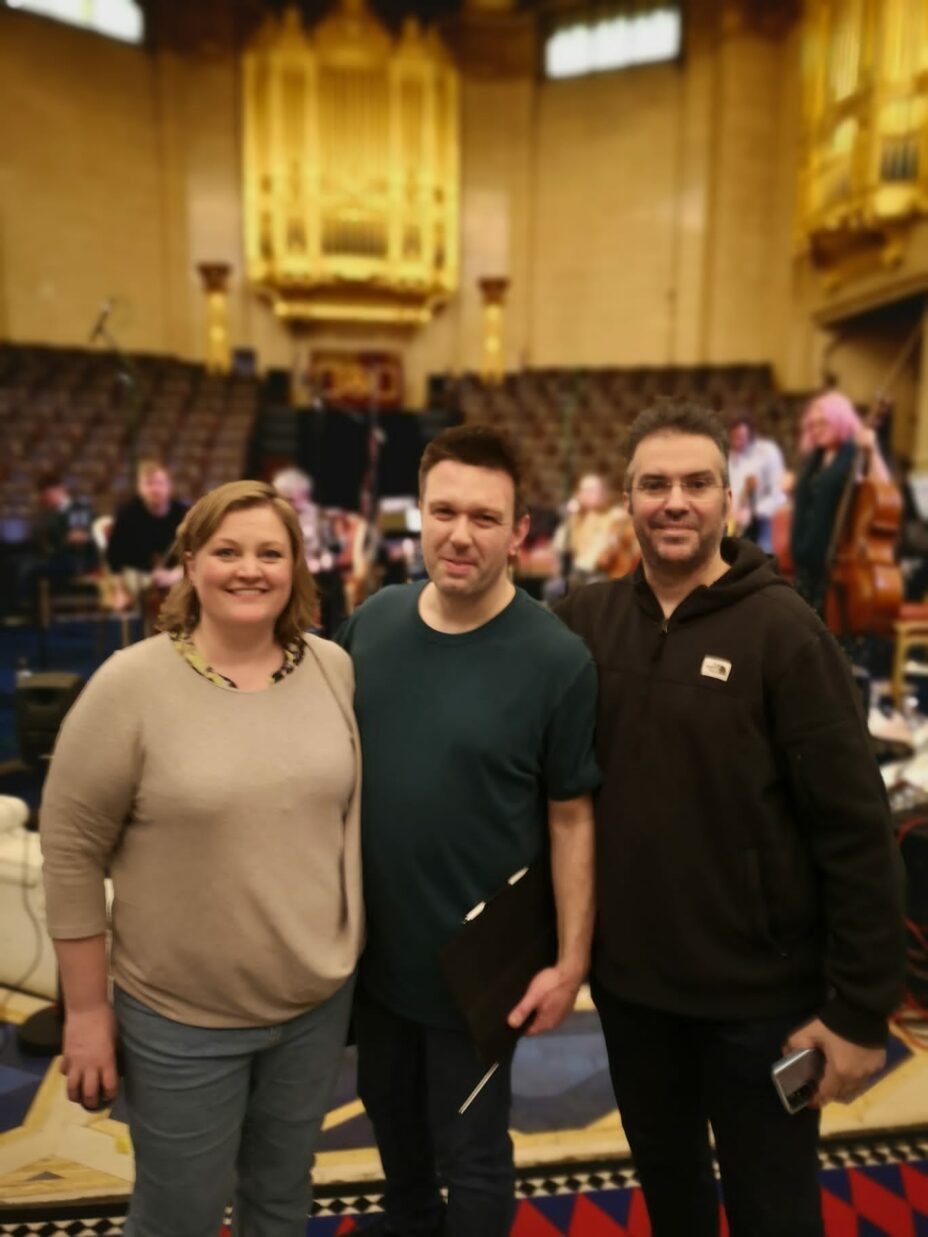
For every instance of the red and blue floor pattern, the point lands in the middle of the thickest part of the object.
(879, 1189)
(876, 1200)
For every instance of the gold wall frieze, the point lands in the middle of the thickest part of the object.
(762, 18)
(843, 255)
(864, 174)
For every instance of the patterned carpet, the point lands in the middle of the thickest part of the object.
(64, 1172)
(877, 1188)
(55, 1154)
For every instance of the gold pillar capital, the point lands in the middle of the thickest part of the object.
(215, 275)
(493, 289)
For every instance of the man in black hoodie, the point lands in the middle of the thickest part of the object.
(748, 884)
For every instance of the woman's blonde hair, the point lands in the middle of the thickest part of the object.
(181, 609)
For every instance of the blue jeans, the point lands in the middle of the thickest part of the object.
(218, 1114)
(413, 1079)
(673, 1077)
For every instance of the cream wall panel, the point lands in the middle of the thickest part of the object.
(497, 163)
(604, 219)
(784, 268)
(737, 314)
(214, 202)
(79, 162)
(171, 92)
(497, 170)
(694, 153)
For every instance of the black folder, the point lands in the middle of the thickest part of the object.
(489, 963)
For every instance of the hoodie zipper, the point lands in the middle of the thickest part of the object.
(662, 632)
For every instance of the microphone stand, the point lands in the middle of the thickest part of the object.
(569, 402)
(370, 484)
(127, 375)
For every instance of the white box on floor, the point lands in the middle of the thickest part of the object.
(27, 960)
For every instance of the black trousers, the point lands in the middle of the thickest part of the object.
(674, 1077)
(412, 1080)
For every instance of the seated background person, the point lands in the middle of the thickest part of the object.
(62, 545)
(596, 540)
(321, 546)
(142, 536)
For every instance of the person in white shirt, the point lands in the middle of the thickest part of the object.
(756, 469)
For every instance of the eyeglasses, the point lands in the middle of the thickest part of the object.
(693, 488)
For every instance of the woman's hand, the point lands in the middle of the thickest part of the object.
(88, 1058)
(865, 438)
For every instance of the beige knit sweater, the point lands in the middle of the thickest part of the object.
(228, 821)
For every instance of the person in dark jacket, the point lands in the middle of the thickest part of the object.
(748, 885)
(62, 546)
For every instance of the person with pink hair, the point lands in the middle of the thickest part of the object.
(833, 439)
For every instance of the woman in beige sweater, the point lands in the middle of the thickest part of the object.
(213, 771)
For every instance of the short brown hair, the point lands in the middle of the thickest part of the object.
(48, 481)
(181, 609)
(481, 446)
(149, 464)
(676, 416)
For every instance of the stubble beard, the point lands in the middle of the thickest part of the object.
(706, 549)
(470, 590)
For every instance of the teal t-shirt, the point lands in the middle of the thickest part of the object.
(464, 739)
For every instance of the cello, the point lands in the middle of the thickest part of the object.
(864, 591)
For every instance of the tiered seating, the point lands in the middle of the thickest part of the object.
(72, 410)
(574, 421)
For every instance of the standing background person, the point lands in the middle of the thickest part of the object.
(213, 771)
(749, 893)
(476, 712)
(833, 437)
(755, 468)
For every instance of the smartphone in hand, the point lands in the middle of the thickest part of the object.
(796, 1077)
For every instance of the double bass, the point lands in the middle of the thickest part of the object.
(864, 580)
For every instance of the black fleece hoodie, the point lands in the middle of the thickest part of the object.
(745, 861)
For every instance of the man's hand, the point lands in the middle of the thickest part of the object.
(550, 997)
(848, 1067)
(88, 1058)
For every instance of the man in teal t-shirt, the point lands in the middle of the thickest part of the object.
(476, 709)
